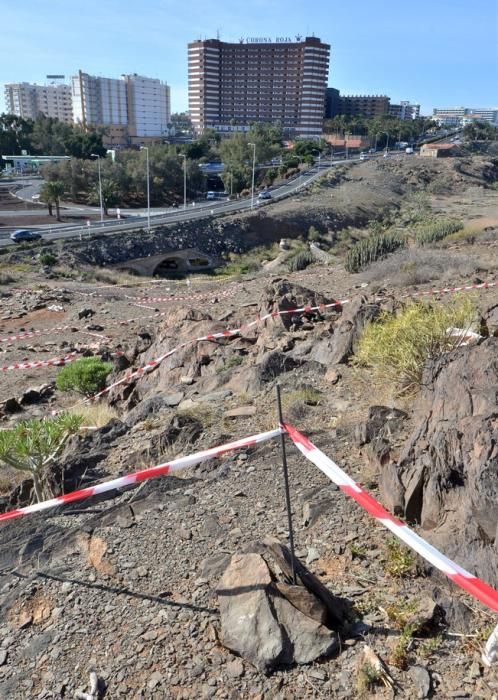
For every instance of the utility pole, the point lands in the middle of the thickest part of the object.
(253, 171)
(95, 155)
(146, 149)
(182, 155)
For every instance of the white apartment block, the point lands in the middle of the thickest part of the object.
(29, 100)
(131, 108)
(405, 110)
(459, 116)
(99, 101)
(149, 109)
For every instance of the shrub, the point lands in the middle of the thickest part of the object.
(370, 249)
(33, 446)
(395, 348)
(48, 259)
(313, 234)
(437, 231)
(300, 261)
(86, 376)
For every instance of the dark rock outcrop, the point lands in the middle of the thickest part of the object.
(447, 476)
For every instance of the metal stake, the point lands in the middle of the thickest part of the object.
(286, 483)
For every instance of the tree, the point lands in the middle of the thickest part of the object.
(51, 193)
(110, 194)
(33, 445)
(480, 131)
(15, 134)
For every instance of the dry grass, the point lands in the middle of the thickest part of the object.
(414, 266)
(98, 414)
(395, 347)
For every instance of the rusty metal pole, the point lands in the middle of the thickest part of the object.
(286, 484)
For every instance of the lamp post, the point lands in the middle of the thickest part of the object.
(95, 155)
(253, 170)
(146, 149)
(346, 143)
(182, 155)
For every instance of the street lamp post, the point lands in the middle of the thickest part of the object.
(146, 149)
(182, 155)
(95, 155)
(253, 171)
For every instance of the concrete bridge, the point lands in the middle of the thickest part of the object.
(161, 265)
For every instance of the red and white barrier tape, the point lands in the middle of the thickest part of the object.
(452, 290)
(31, 334)
(470, 583)
(12, 338)
(142, 475)
(54, 362)
(150, 366)
(197, 296)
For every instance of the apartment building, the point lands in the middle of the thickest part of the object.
(405, 111)
(132, 109)
(258, 80)
(365, 105)
(149, 107)
(459, 116)
(28, 100)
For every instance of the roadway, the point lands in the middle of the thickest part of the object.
(198, 210)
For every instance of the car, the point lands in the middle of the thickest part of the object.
(23, 234)
(264, 195)
(363, 156)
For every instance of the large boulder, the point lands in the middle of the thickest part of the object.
(271, 622)
(447, 475)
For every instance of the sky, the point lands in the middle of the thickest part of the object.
(437, 53)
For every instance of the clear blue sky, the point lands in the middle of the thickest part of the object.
(440, 53)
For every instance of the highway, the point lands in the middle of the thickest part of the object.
(170, 216)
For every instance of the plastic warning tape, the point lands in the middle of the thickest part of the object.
(54, 362)
(142, 475)
(32, 334)
(470, 583)
(153, 364)
(432, 292)
(453, 290)
(198, 296)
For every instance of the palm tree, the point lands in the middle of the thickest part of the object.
(51, 193)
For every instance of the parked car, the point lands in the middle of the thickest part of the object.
(264, 195)
(363, 156)
(24, 235)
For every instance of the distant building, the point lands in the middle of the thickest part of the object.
(459, 116)
(232, 85)
(437, 150)
(132, 110)
(148, 105)
(332, 102)
(365, 105)
(28, 100)
(405, 111)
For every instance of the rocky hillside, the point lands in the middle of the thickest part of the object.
(182, 586)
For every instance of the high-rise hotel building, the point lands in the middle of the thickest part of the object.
(258, 80)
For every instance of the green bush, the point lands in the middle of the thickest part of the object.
(395, 347)
(370, 249)
(87, 376)
(437, 231)
(313, 234)
(300, 261)
(48, 259)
